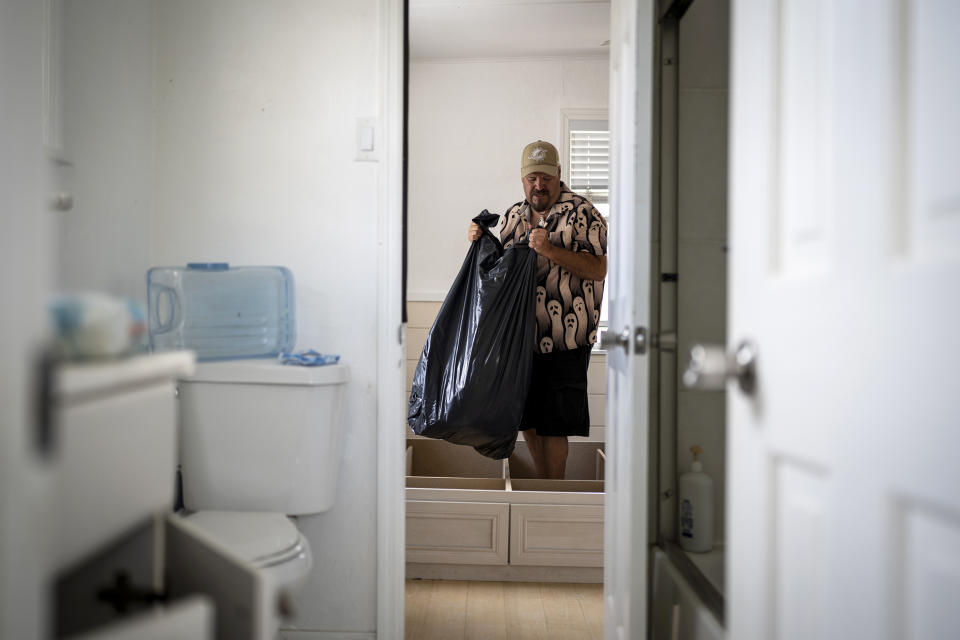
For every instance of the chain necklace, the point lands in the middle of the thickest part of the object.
(541, 222)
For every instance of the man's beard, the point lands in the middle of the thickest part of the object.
(546, 197)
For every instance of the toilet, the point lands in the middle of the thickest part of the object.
(260, 443)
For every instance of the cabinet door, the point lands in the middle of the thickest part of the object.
(126, 489)
(556, 535)
(243, 597)
(188, 619)
(457, 532)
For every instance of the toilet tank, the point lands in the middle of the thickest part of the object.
(257, 435)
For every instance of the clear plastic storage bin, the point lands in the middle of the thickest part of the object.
(221, 312)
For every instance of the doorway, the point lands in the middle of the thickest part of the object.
(479, 91)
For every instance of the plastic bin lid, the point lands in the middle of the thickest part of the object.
(249, 534)
(267, 371)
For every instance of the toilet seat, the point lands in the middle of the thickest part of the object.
(263, 539)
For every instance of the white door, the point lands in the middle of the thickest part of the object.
(625, 526)
(844, 495)
(26, 265)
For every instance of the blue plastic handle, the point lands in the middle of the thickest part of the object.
(172, 310)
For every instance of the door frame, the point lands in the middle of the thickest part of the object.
(627, 514)
(391, 332)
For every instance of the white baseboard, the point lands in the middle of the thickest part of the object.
(289, 634)
(503, 573)
(426, 296)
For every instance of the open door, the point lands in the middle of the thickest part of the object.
(27, 255)
(844, 513)
(625, 527)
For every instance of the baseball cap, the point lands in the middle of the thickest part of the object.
(539, 157)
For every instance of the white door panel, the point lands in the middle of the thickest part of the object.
(843, 517)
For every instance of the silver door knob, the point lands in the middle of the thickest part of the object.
(710, 367)
(611, 339)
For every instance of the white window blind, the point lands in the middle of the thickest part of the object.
(588, 173)
(589, 159)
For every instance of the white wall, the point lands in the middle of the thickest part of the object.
(224, 130)
(257, 108)
(468, 122)
(108, 139)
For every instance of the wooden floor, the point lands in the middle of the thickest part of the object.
(451, 610)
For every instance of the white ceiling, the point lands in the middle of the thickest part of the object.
(508, 28)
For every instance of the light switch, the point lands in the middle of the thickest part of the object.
(366, 139)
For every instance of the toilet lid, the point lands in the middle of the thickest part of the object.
(251, 535)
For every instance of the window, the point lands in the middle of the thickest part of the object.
(586, 165)
(589, 160)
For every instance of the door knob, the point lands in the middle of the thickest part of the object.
(610, 339)
(710, 367)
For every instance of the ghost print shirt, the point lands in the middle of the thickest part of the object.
(568, 308)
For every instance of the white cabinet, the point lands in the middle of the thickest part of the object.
(464, 510)
(114, 449)
(125, 566)
(163, 575)
(190, 619)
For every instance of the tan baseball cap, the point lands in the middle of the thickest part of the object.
(539, 157)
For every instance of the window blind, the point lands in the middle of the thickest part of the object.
(589, 161)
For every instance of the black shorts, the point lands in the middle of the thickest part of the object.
(557, 401)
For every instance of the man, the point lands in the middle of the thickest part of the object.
(570, 238)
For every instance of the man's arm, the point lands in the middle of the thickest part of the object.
(580, 263)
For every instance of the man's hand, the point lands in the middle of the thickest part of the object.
(474, 232)
(580, 263)
(540, 242)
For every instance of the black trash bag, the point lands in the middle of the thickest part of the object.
(471, 382)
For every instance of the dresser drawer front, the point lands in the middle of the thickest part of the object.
(556, 535)
(457, 532)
